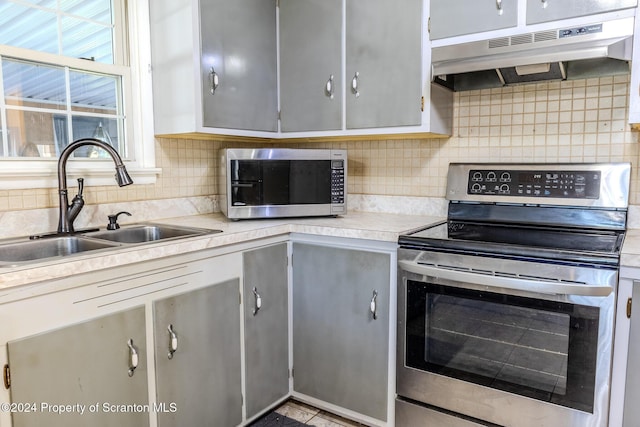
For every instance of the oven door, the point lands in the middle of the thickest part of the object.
(481, 344)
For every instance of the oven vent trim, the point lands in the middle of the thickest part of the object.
(496, 273)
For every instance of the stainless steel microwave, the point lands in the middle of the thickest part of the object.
(283, 182)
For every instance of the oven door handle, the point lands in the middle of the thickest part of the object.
(516, 283)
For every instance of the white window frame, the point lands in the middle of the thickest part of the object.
(19, 173)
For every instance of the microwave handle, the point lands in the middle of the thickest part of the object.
(491, 281)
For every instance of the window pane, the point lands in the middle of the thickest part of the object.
(83, 39)
(27, 27)
(33, 85)
(99, 128)
(31, 134)
(95, 10)
(93, 92)
(78, 28)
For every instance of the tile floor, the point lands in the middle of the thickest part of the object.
(309, 415)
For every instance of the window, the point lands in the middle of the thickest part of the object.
(67, 68)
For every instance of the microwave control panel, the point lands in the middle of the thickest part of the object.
(531, 183)
(337, 181)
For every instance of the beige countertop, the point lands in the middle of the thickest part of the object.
(358, 225)
(630, 256)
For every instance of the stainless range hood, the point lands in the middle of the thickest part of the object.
(598, 49)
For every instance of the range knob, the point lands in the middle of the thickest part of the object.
(477, 176)
(504, 188)
(505, 177)
(491, 177)
(476, 188)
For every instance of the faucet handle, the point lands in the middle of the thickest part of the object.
(113, 220)
(80, 187)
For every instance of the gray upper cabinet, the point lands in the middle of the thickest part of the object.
(383, 63)
(340, 348)
(214, 66)
(239, 60)
(383, 57)
(310, 65)
(266, 332)
(552, 10)
(449, 18)
(197, 350)
(97, 362)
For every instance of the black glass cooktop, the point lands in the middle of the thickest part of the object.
(518, 241)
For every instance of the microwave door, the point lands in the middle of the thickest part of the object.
(246, 183)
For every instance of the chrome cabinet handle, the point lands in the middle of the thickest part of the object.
(133, 357)
(214, 81)
(499, 6)
(354, 84)
(328, 88)
(373, 305)
(173, 342)
(258, 301)
(544, 4)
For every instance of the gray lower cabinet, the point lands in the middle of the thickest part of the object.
(266, 319)
(554, 10)
(197, 349)
(89, 366)
(450, 18)
(340, 348)
(631, 415)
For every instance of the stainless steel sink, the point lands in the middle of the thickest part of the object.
(144, 233)
(16, 252)
(22, 252)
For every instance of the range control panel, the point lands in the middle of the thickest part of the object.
(531, 183)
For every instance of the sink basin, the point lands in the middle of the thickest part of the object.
(16, 252)
(21, 252)
(142, 233)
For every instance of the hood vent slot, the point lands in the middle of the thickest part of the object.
(501, 42)
(545, 36)
(522, 39)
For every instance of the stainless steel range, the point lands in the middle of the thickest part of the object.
(506, 309)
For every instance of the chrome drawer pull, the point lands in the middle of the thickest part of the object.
(328, 88)
(214, 81)
(173, 342)
(258, 302)
(133, 357)
(354, 84)
(373, 306)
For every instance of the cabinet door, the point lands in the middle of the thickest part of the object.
(83, 365)
(383, 63)
(553, 10)
(266, 320)
(340, 351)
(450, 18)
(202, 376)
(632, 388)
(310, 65)
(238, 42)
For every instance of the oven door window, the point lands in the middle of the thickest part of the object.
(536, 348)
(280, 182)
